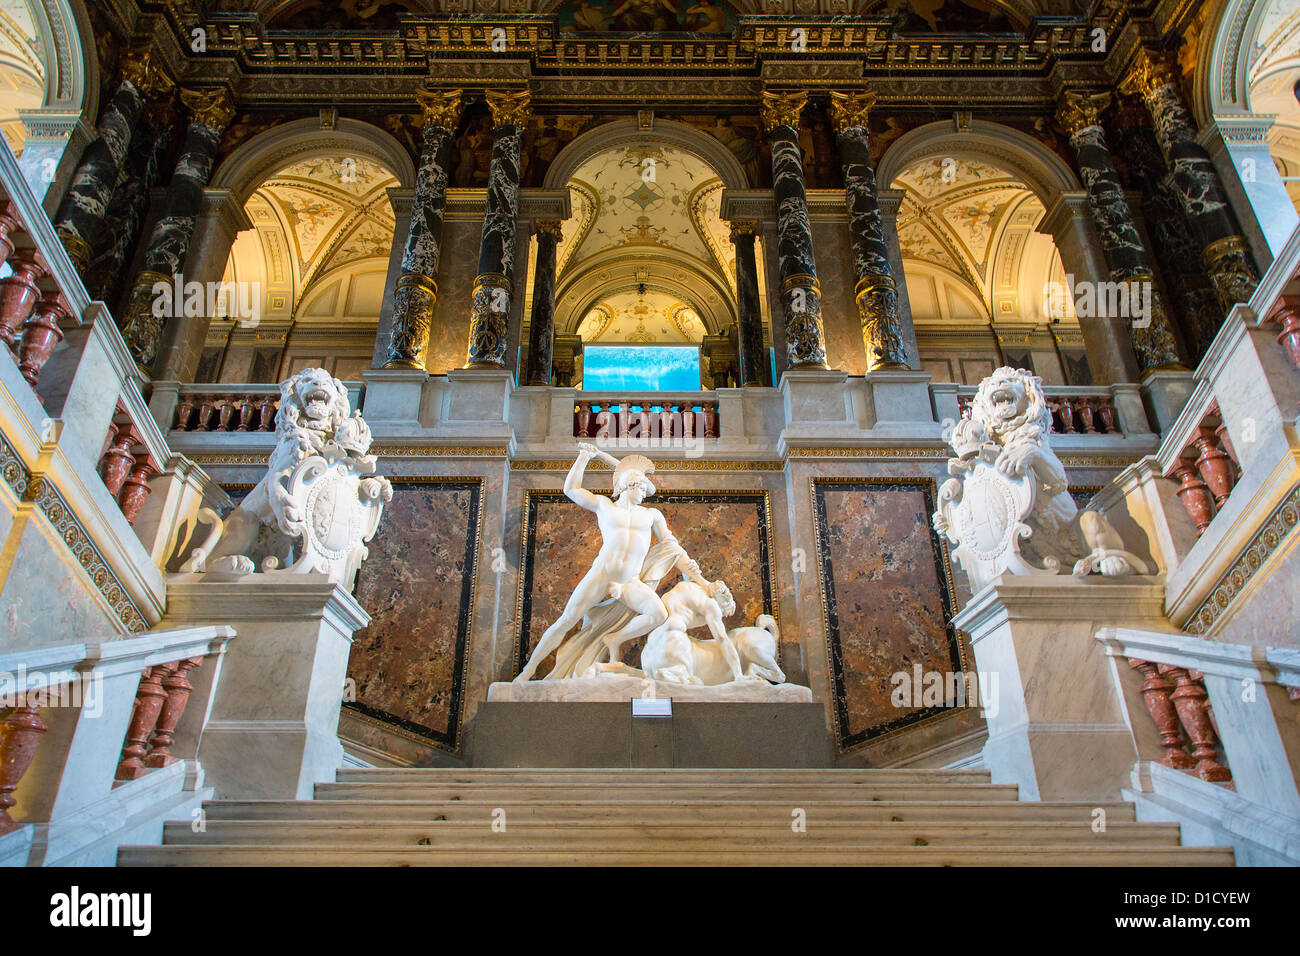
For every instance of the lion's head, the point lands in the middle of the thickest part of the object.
(1008, 400)
(719, 591)
(312, 400)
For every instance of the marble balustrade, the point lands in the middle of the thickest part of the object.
(656, 415)
(1076, 410)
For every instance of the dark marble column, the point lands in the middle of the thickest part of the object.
(753, 356)
(805, 338)
(1154, 342)
(1225, 255)
(1177, 249)
(541, 336)
(876, 291)
(489, 324)
(417, 288)
(80, 217)
(169, 243)
(126, 212)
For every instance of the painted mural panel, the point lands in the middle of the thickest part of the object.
(418, 586)
(887, 598)
(727, 532)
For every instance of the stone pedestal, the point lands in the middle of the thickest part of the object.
(273, 729)
(1166, 393)
(900, 404)
(708, 735)
(1057, 728)
(393, 399)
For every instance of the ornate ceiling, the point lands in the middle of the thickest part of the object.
(1274, 73)
(22, 74)
(323, 231)
(970, 249)
(652, 316)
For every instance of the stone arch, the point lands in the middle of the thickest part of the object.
(1043, 171)
(265, 154)
(627, 132)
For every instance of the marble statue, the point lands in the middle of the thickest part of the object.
(1008, 506)
(672, 655)
(319, 489)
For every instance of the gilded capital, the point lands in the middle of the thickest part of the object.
(1150, 71)
(550, 227)
(782, 109)
(508, 109)
(141, 70)
(1081, 110)
(440, 107)
(850, 109)
(210, 106)
(743, 227)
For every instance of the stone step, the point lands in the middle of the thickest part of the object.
(467, 836)
(683, 792)
(662, 811)
(813, 855)
(499, 775)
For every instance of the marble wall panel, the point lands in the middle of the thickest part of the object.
(887, 598)
(418, 586)
(834, 248)
(728, 532)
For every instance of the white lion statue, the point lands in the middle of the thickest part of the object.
(319, 443)
(1007, 427)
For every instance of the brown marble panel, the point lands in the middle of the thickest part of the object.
(418, 583)
(887, 599)
(728, 533)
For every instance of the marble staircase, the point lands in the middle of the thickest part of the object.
(446, 817)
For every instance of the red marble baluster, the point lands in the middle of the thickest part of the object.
(41, 333)
(117, 461)
(19, 292)
(184, 411)
(226, 413)
(246, 409)
(1106, 411)
(8, 225)
(178, 688)
(1190, 698)
(20, 735)
(710, 419)
(1194, 494)
(690, 421)
(1155, 692)
(1066, 409)
(1214, 466)
(148, 704)
(207, 405)
(1289, 339)
(583, 421)
(266, 412)
(1085, 412)
(136, 488)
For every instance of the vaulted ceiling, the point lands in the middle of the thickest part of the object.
(22, 74)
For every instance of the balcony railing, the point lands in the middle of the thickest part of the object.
(1076, 410)
(648, 415)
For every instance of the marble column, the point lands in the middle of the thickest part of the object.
(80, 217)
(1176, 248)
(488, 324)
(417, 288)
(805, 337)
(125, 216)
(1154, 342)
(876, 291)
(169, 243)
(541, 322)
(753, 356)
(1225, 255)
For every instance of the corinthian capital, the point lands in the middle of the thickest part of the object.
(1080, 110)
(440, 107)
(850, 109)
(782, 109)
(508, 109)
(210, 106)
(1150, 71)
(141, 70)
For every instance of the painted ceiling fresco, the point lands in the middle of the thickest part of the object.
(632, 316)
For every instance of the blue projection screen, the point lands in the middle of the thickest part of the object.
(641, 368)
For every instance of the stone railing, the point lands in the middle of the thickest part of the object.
(647, 415)
(70, 709)
(34, 311)
(1193, 705)
(1079, 410)
(215, 408)
(1197, 454)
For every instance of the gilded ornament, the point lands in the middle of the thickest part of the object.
(850, 109)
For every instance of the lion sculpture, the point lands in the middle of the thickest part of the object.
(1009, 424)
(313, 420)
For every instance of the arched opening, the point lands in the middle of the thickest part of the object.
(980, 275)
(22, 71)
(316, 257)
